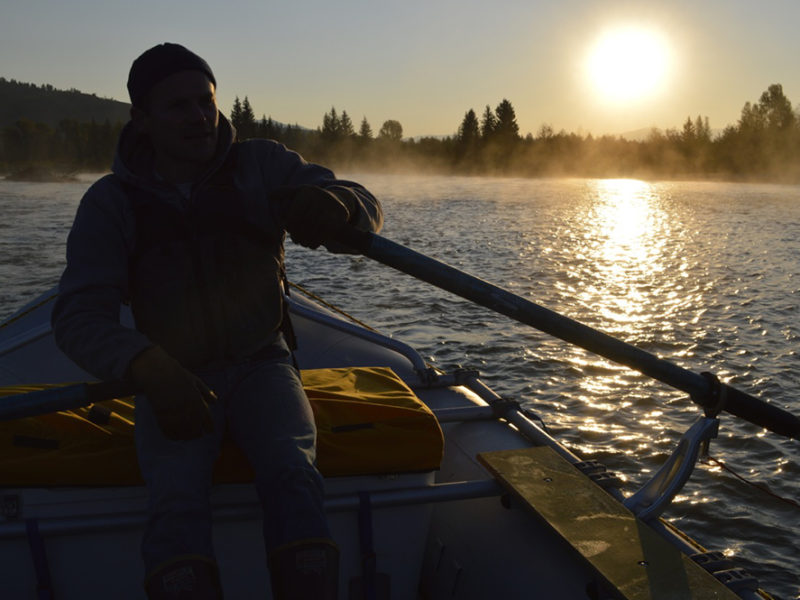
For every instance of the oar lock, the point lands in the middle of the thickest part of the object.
(713, 402)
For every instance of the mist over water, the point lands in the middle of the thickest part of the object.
(706, 275)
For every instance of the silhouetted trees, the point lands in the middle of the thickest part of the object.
(365, 131)
(244, 119)
(391, 130)
(763, 144)
(70, 146)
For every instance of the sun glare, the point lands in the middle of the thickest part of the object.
(627, 65)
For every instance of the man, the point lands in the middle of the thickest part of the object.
(189, 230)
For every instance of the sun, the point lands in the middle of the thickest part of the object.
(628, 65)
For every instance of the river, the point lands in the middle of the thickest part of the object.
(706, 275)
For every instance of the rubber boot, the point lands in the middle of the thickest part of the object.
(305, 570)
(190, 578)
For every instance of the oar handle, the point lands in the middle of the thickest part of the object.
(67, 397)
(703, 390)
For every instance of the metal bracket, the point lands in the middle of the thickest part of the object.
(654, 496)
(599, 473)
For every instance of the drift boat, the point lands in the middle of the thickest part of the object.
(436, 487)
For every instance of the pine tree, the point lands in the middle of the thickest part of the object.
(346, 126)
(469, 131)
(488, 123)
(365, 131)
(236, 113)
(506, 126)
(247, 126)
(331, 126)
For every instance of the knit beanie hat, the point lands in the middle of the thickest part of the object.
(159, 62)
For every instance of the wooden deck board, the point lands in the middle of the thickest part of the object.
(624, 550)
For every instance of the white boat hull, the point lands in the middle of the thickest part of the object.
(458, 540)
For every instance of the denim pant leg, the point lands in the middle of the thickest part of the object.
(178, 479)
(270, 419)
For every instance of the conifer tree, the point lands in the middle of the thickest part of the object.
(469, 131)
(247, 125)
(236, 113)
(365, 131)
(488, 123)
(506, 126)
(346, 125)
(331, 126)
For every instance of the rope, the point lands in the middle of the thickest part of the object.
(758, 486)
(316, 298)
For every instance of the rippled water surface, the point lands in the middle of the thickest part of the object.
(706, 275)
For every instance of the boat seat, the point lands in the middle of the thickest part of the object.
(369, 422)
(626, 553)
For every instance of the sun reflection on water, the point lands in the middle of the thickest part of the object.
(628, 226)
(624, 254)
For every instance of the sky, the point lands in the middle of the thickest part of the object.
(426, 63)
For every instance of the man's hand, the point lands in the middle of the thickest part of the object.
(312, 214)
(179, 399)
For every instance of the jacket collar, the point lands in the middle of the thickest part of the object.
(134, 157)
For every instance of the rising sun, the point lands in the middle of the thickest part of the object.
(628, 65)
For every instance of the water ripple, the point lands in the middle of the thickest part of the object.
(706, 275)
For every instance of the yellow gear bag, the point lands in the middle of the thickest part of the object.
(368, 422)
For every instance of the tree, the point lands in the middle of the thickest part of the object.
(775, 108)
(469, 130)
(365, 131)
(391, 130)
(269, 129)
(488, 123)
(506, 128)
(702, 129)
(346, 125)
(545, 132)
(236, 113)
(331, 126)
(247, 124)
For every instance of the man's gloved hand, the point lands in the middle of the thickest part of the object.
(312, 214)
(179, 399)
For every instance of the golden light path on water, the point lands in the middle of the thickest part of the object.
(626, 246)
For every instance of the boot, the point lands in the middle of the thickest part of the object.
(186, 578)
(305, 570)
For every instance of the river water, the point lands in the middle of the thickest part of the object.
(706, 275)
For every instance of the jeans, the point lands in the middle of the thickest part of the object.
(262, 406)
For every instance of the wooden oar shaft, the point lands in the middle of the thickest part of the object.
(501, 301)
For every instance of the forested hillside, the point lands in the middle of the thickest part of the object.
(45, 104)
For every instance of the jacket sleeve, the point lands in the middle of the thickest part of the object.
(283, 167)
(86, 315)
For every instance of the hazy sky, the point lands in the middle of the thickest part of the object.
(425, 63)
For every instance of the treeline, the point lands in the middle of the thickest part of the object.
(44, 129)
(764, 144)
(68, 147)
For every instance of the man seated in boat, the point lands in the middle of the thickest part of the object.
(189, 229)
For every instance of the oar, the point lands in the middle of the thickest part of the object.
(66, 397)
(705, 390)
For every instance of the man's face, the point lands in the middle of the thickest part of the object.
(182, 118)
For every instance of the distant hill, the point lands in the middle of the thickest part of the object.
(45, 104)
